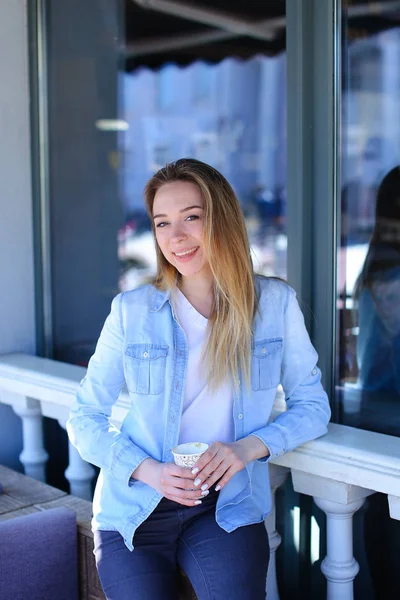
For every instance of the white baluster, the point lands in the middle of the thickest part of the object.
(79, 472)
(339, 566)
(278, 476)
(339, 501)
(33, 455)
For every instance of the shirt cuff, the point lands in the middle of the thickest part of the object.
(127, 462)
(272, 437)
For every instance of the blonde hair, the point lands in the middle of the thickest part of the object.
(228, 348)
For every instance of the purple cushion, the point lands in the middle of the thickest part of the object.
(38, 556)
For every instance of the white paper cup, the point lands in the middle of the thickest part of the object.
(186, 455)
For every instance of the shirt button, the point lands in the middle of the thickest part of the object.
(264, 350)
(145, 354)
(176, 385)
(314, 371)
(240, 416)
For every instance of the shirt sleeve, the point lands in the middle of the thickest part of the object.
(308, 410)
(89, 428)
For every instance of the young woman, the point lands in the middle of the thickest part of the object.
(201, 352)
(377, 298)
(377, 293)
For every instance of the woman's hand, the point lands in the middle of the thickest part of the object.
(171, 481)
(221, 461)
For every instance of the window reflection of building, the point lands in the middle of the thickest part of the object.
(166, 88)
(199, 110)
(130, 89)
(202, 83)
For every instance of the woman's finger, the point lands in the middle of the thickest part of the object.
(227, 476)
(205, 458)
(177, 471)
(202, 478)
(177, 482)
(217, 474)
(184, 502)
(170, 490)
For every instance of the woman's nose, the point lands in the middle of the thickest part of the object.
(178, 234)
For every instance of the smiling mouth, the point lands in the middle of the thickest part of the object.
(185, 252)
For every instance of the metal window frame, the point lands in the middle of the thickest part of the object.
(37, 35)
(313, 34)
(313, 111)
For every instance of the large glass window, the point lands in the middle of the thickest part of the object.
(368, 299)
(369, 253)
(131, 88)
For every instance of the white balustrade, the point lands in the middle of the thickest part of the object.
(339, 470)
(339, 501)
(339, 566)
(79, 473)
(278, 476)
(33, 456)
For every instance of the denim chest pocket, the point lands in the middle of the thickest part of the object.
(145, 368)
(266, 363)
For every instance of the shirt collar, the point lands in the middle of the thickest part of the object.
(159, 298)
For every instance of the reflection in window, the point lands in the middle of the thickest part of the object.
(129, 89)
(232, 131)
(368, 300)
(202, 83)
(165, 88)
(369, 252)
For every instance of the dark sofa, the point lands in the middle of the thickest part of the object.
(38, 556)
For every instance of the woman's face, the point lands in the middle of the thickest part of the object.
(178, 213)
(386, 295)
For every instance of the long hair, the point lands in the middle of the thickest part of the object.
(228, 347)
(384, 247)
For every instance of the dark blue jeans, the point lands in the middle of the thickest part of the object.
(220, 565)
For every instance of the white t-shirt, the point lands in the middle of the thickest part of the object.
(206, 416)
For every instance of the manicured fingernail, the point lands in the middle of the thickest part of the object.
(197, 501)
(197, 482)
(195, 470)
(204, 486)
(217, 488)
(205, 493)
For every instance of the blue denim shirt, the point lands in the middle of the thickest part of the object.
(143, 345)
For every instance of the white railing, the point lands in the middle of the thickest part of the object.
(339, 470)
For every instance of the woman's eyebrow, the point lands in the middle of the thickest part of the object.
(190, 208)
(182, 211)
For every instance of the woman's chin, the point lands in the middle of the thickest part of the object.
(188, 272)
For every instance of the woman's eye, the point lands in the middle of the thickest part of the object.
(192, 217)
(162, 224)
